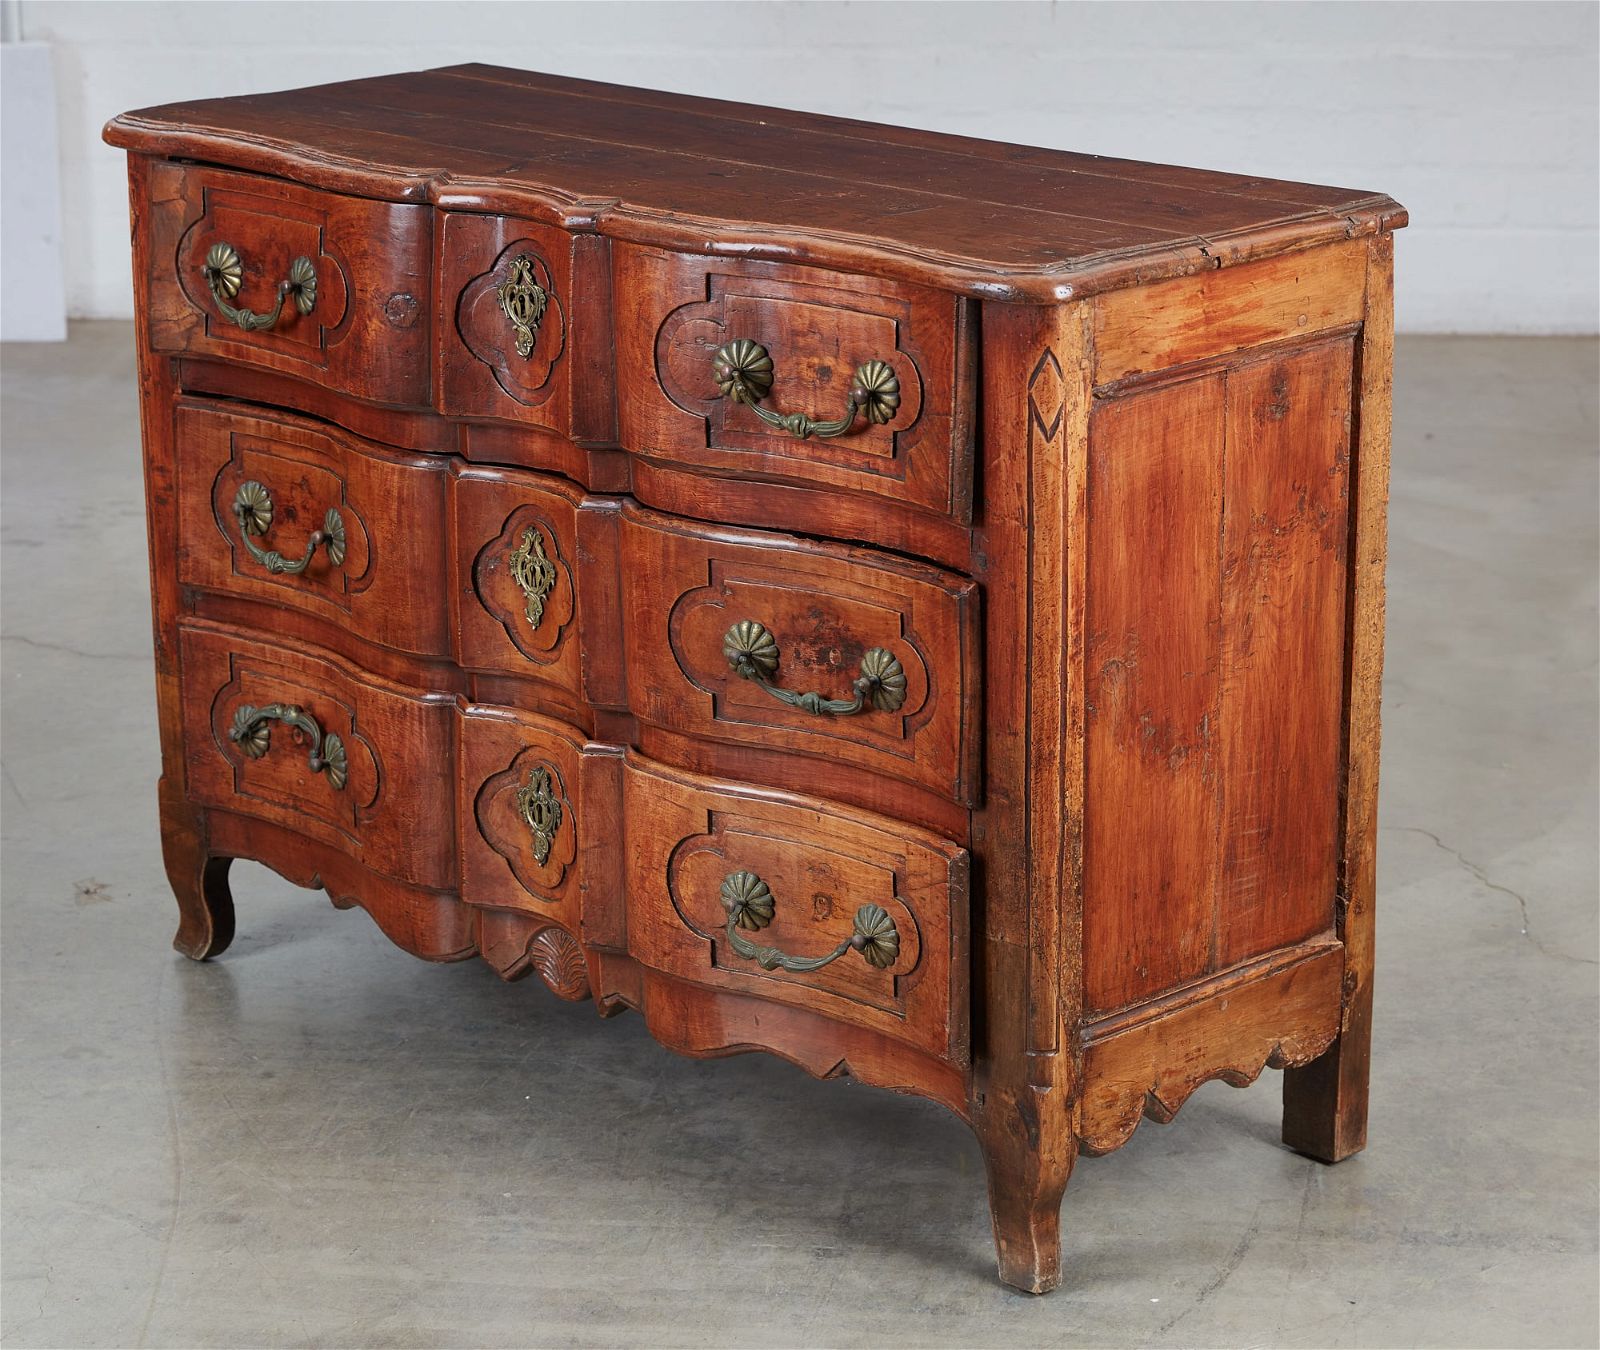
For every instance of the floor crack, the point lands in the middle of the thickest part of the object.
(11, 782)
(1225, 1273)
(1478, 871)
(70, 651)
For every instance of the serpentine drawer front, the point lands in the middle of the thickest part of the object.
(863, 659)
(327, 288)
(286, 511)
(299, 738)
(797, 373)
(903, 603)
(514, 321)
(789, 899)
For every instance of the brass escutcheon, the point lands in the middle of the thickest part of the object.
(534, 574)
(523, 300)
(540, 810)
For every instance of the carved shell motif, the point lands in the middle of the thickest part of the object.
(748, 900)
(558, 959)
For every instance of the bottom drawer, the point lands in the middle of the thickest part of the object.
(301, 739)
(793, 900)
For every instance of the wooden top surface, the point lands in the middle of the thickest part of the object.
(981, 217)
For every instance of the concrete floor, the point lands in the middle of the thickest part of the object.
(319, 1141)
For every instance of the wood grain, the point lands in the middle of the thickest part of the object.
(711, 1023)
(480, 372)
(1027, 831)
(369, 331)
(992, 221)
(308, 469)
(676, 310)
(685, 835)
(1278, 1014)
(428, 922)
(496, 513)
(1154, 589)
(826, 607)
(1284, 528)
(500, 751)
(394, 815)
(1216, 666)
(1193, 318)
(1325, 1103)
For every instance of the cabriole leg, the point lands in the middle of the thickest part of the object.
(1025, 1190)
(200, 883)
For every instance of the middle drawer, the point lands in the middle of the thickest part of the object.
(413, 552)
(786, 646)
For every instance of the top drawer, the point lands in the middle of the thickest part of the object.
(795, 374)
(266, 273)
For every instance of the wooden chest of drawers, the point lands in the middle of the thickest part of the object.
(908, 604)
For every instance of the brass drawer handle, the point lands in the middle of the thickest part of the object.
(252, 508)
(743, 371)
(750, 905)
(252, 733)
(224, 272)
(752, 651)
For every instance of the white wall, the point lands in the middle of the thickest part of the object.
(1481, 118)
(32, 301)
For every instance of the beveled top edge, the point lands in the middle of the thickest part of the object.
(608, 179)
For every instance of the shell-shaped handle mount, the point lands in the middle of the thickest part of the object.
(743, 372)
(252, 508)
(224, 273)
(752, 653)
(252, 733)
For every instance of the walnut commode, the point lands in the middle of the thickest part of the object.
(951, 572)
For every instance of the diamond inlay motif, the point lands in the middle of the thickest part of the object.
(1046, 390)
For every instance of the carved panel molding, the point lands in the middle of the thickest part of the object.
(521, 578)
(526, 815)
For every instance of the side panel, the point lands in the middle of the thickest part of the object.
(1150, 848)
(1219, 515)
(1285, 524)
